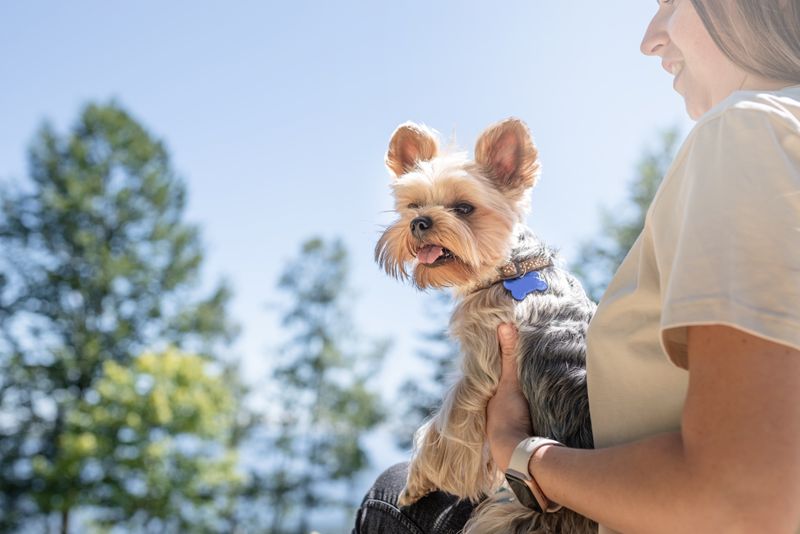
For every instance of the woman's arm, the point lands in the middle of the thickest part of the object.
(734, 467)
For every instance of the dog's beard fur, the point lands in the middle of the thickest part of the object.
(478, 241)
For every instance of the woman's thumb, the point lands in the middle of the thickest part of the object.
(507, 335)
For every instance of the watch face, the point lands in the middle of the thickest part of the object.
(523, 493)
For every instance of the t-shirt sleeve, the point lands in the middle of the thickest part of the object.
(729, 249)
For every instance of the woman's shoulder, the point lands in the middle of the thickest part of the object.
(747, 122)
(755, 110)
(735, 145)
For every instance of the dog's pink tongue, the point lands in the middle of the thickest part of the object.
(429, 254)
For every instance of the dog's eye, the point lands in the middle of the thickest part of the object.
(463, 208)
(413, 206)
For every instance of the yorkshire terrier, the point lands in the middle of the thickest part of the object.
(461, 224)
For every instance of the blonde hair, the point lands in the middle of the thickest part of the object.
(760, 36)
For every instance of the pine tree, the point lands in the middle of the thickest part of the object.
(599, 258)
(322, 388)
(96, 265)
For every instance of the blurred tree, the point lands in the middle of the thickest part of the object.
(96, 266)
(151, 446)
(420, 396)
(322, 395)
(599, 258)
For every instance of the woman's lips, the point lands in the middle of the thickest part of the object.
(675, 68)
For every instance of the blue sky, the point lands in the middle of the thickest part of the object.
(277, 115)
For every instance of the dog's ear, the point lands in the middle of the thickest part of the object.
(508, 156)
(410, 144)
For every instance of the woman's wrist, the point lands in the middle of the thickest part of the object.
(537, 457)
(502, 447)
(535, 466)
(522, 477)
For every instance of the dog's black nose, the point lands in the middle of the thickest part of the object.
(420, 225)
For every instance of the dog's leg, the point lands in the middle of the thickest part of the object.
(421, 475)
(450, 452)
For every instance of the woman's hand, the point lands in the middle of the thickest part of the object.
(508, 419)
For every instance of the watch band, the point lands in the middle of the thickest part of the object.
(518, 468)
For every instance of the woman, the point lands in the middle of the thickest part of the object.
(693, 356)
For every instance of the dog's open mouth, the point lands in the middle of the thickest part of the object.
(434, 255)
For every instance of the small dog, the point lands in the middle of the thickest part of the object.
(461, 225)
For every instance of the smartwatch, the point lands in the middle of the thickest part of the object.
(521, 482)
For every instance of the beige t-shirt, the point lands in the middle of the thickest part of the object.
(720, 245)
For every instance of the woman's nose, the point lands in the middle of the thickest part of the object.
(655, 37)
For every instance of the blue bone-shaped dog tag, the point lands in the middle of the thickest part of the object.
(525, 285)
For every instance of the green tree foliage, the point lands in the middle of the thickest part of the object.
(599, 258)
(420, 396)
(96, 266)
(148, 445)
(324, 405)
